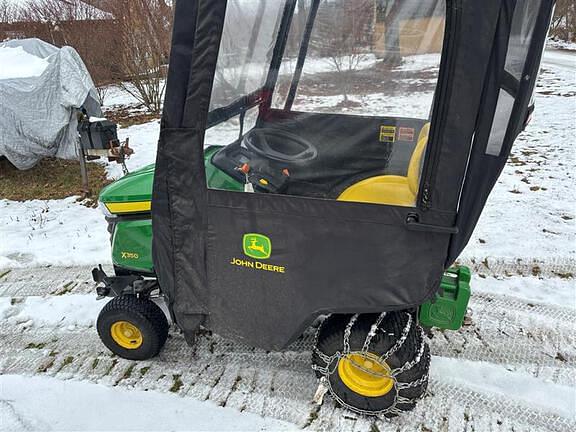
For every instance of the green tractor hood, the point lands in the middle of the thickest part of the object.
(130, 194)
(136, 186)
(133, 192)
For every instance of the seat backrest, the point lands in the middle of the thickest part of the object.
(415, 166)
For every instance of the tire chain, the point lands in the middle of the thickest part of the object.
(327, 371)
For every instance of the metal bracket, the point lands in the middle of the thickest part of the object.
(413, 224)
(114, 285)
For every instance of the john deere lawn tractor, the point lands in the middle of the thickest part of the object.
(321, 161)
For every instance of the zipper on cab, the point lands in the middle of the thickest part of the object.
(439, 114)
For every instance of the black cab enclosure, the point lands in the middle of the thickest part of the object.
(382, 127)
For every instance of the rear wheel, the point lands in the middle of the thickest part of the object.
(374, 364)
(132, 327)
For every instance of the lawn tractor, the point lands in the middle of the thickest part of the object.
(321, 162)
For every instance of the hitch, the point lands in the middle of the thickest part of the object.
(114, 286)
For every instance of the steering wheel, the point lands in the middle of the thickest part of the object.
(280, 146)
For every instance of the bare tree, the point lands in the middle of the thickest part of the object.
(344, 36)
(59, 11)
(8, 12)
(388, 12)
(564, 21)
(144, 47)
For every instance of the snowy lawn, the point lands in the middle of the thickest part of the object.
(65, 311)
(36, 403)
(504, 381)
(555, 291)
(531, 211)
(54, 232)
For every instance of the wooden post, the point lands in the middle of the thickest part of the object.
(84, 172)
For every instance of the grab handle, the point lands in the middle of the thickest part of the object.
(413, 224)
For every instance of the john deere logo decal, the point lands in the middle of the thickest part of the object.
(257, 246)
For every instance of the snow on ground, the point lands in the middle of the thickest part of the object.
(17, 63)
(556, 291)
(421, 62)
(531, 211)
(54, 232)
(115, 97)
(410, 105)
(65, 232)
(143, 139)
(36, 403)
(563, 59)
(64, 311)
(504, 381)
(314, 65)
(561, 44)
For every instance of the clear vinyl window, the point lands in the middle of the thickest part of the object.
(339, 94)
(523, 23)
(250, 31)
(366, 57)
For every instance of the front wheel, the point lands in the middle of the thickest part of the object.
(132, 327)
(375, 364)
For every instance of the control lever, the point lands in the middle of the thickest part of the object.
(264, 178)
(245, 169)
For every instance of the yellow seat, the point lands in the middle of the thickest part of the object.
(390, 189)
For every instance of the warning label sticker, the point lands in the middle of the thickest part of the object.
(406, 134)
(388, 134)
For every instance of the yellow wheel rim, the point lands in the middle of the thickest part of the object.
(364, 374)
(126, 334)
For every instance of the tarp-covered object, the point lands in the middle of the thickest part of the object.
(42, 87)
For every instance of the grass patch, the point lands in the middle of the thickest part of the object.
(68, 360)
(177, 384)
(112, 366)
(44, 368)
(312, 416)
(127, 374)
(68, 287)
(127, 116)
(375, 428)
(33, 345)
(49, 179)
